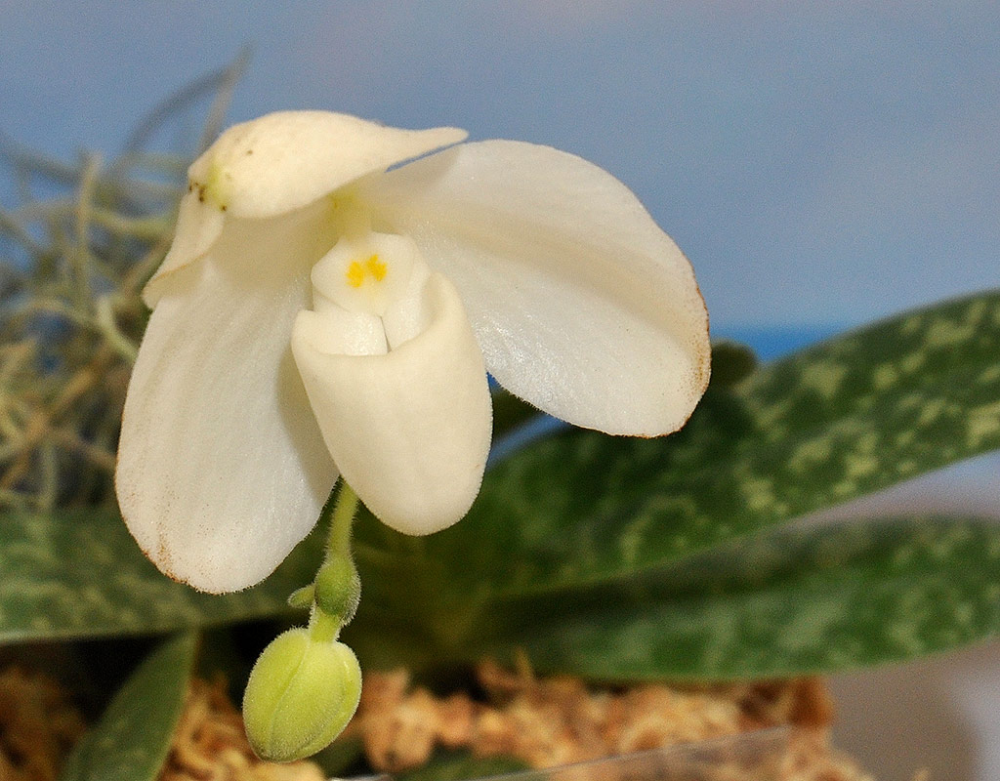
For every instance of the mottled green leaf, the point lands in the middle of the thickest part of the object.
(80, 574)
(789, 603)
(133, 737)
(847, 417)
(76, 574)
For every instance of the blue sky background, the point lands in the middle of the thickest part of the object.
(821, 164)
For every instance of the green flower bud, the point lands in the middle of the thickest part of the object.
(338, 589)
(300, 696)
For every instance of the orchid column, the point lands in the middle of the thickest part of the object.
(325, 310)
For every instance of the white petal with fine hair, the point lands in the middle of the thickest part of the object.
(583, 306)
(222, 469)
(409, 430)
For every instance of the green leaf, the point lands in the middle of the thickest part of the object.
(793, 602)
(509, 412)
(850, 416)
(340, 756)
(459, 766)
(80, 574)
(133, 736)
(731, 363)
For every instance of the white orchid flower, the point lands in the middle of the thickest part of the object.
(326, 310)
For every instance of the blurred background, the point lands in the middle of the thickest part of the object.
(821, 165)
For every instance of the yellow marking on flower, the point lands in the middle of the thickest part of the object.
(376, 268)
(358, 271)
(355, 274)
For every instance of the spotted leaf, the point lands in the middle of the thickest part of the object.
(792, 602)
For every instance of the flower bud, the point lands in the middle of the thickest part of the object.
(300, 696)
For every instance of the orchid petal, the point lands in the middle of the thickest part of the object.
(199, 225)
(221, 467)
(409, 430)
(581, 304)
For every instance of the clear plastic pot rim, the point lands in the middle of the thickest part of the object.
(749, 756)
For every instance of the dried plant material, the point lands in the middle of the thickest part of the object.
(210, 745)
(543, 722)
(654, 716)
(558, 721)
(38, 726)
(71, 268)
(70, 322)
(810, 758)
(804, 702)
